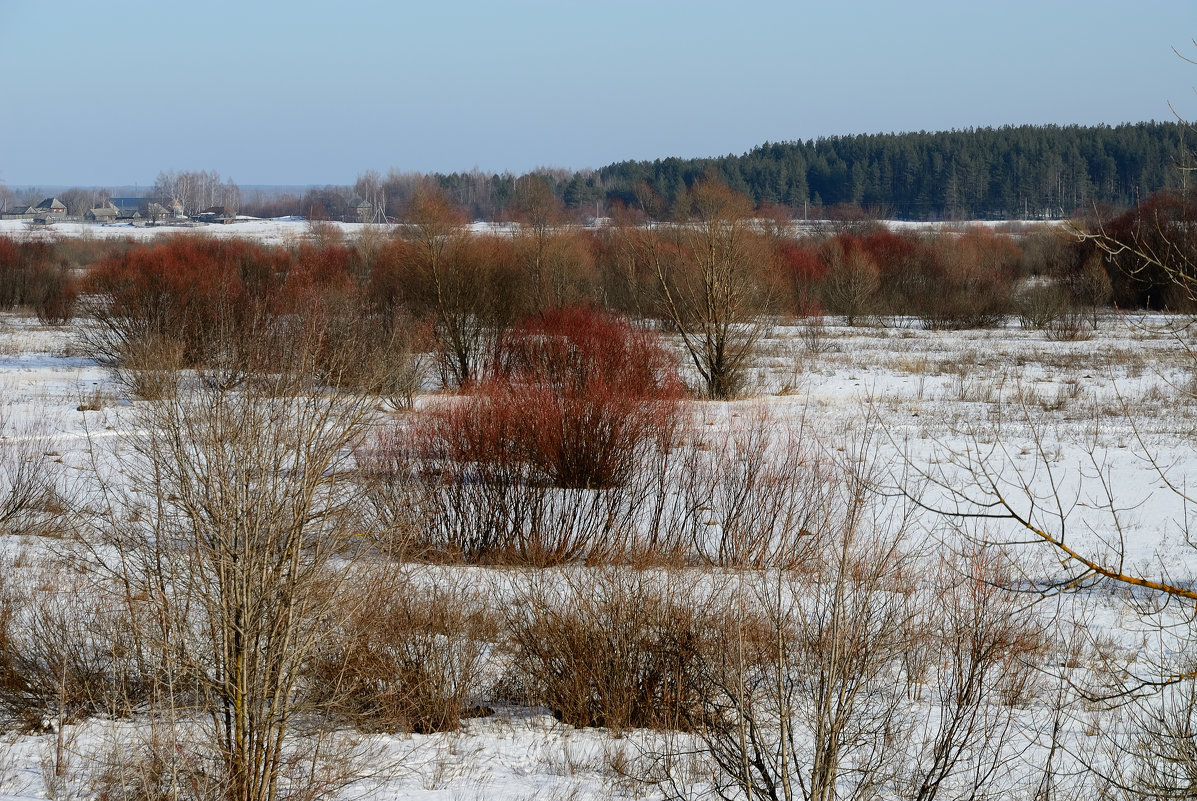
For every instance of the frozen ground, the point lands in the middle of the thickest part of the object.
(1090, 410)
(284, 230)
(287, 230)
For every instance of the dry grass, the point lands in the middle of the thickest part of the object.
(610, 648)
(404, 655)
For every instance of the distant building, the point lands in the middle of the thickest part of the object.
(363, 210)
(103, 214)
(18, 211)
(51, 207)
(214, 214)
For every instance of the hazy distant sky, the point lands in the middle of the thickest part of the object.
(302, 92)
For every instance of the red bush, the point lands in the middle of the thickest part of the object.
(317, 271)
(892, 252)
(32, 274)
(194, 290)
(804, 270)
(217, 296)
(575, 402)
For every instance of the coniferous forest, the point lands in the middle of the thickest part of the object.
(1024, 171)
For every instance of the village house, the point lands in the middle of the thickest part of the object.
(51, 207)
(19, 211)
(214, 214)
(363, 209)
(102, 214)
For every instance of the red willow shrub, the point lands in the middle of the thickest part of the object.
(33, 274)
(804, 270)
(212, 296)
(195, 291)
(577, 399)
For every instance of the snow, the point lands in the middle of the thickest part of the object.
(290, 230)
(934, 396)
(281, 231)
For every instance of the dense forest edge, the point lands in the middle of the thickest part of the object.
(1023, 172)
(1012, 172)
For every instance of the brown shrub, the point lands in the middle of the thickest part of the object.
(404, 655)
(610, 647)
(65, 654)
(968, 281)
(851, 281)
(757, 492)
(53, 294)
(148, 366)
(34, 275)
(1040, 305)
(432, 507)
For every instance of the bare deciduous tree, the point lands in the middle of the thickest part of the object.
(231, 545)
(852, 281)
(555, 260)
(457, 274)
(194, 191)
(711, 284)
(1076, 514)
(370, 188)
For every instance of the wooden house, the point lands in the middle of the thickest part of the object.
(51, 207)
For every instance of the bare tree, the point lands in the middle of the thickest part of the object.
(1076, 515)
(232, 545)
(456, 275)
(230, 197)
(556, 263)
(194, 191)
(710, 283)
(80, 201)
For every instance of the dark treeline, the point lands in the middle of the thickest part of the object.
(995, 173)
(1024, 172)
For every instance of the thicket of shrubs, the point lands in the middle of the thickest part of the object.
(1150, 253)
(433, 288)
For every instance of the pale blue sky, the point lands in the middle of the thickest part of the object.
(306, 92)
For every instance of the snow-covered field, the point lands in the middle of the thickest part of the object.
(290, 230)
(281, 231)
(1104, 423)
